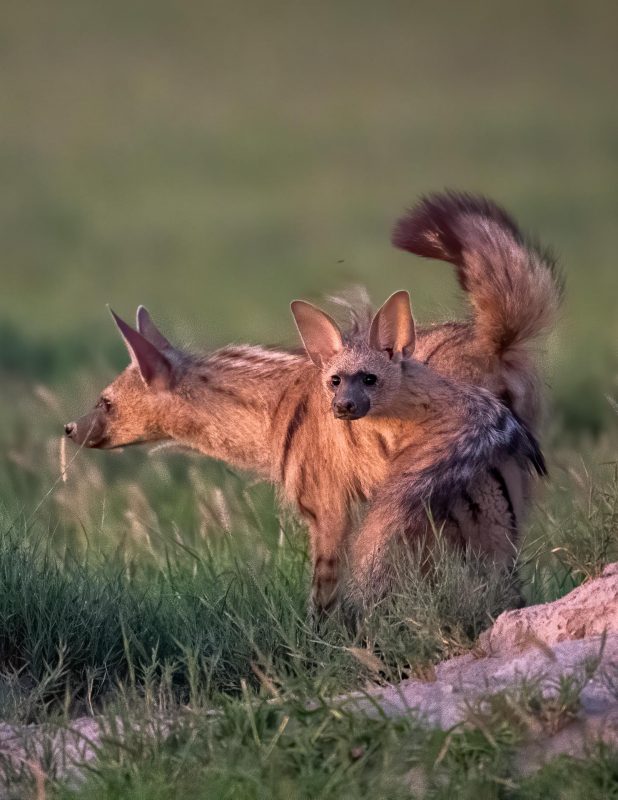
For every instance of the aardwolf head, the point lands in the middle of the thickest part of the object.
(128, 410)
(362, 375)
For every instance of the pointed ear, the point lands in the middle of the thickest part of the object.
(319, 332)
(392, 329)
(153, 366)
(149, 330)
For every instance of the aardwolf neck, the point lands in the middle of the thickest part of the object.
(265, 411)
(227, 409)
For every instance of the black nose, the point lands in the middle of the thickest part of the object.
(346, 407)
(69, 428)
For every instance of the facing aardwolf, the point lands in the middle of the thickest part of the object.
(453, 455)
(265, 409)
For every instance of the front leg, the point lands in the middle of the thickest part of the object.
(328, 534)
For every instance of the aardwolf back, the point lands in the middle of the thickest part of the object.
(267, 410)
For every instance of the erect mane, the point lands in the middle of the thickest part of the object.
(354, 312)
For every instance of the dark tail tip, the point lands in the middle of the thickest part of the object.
(527, 445)
(433, 228)
(536, 456)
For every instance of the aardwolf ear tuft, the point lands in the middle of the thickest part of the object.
(153, 366)
(392, 329)
(319, 332)
(149, 330)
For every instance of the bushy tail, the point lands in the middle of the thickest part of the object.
(513, 285)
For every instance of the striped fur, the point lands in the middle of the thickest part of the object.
(266, 409)
(447, 451)
(462, 470)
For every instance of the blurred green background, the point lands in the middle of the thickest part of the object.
(215, 160)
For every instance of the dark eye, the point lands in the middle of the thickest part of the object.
(105, 403)
(370, 379)
(335, 380)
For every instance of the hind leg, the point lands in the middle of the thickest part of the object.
(488, 516)
(370, 560)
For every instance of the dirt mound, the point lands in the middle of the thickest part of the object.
(556, 663)
(564, 651)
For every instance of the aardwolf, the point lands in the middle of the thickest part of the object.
(264, 409)
(453, 451)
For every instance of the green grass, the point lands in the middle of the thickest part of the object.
(214, 163)
(280, 748)
(208, 620)
(231, 689)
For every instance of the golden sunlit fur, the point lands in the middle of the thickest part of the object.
(434, 431)
(268, 411)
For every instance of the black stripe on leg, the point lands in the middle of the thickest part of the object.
(306, 512)
(499, 478)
